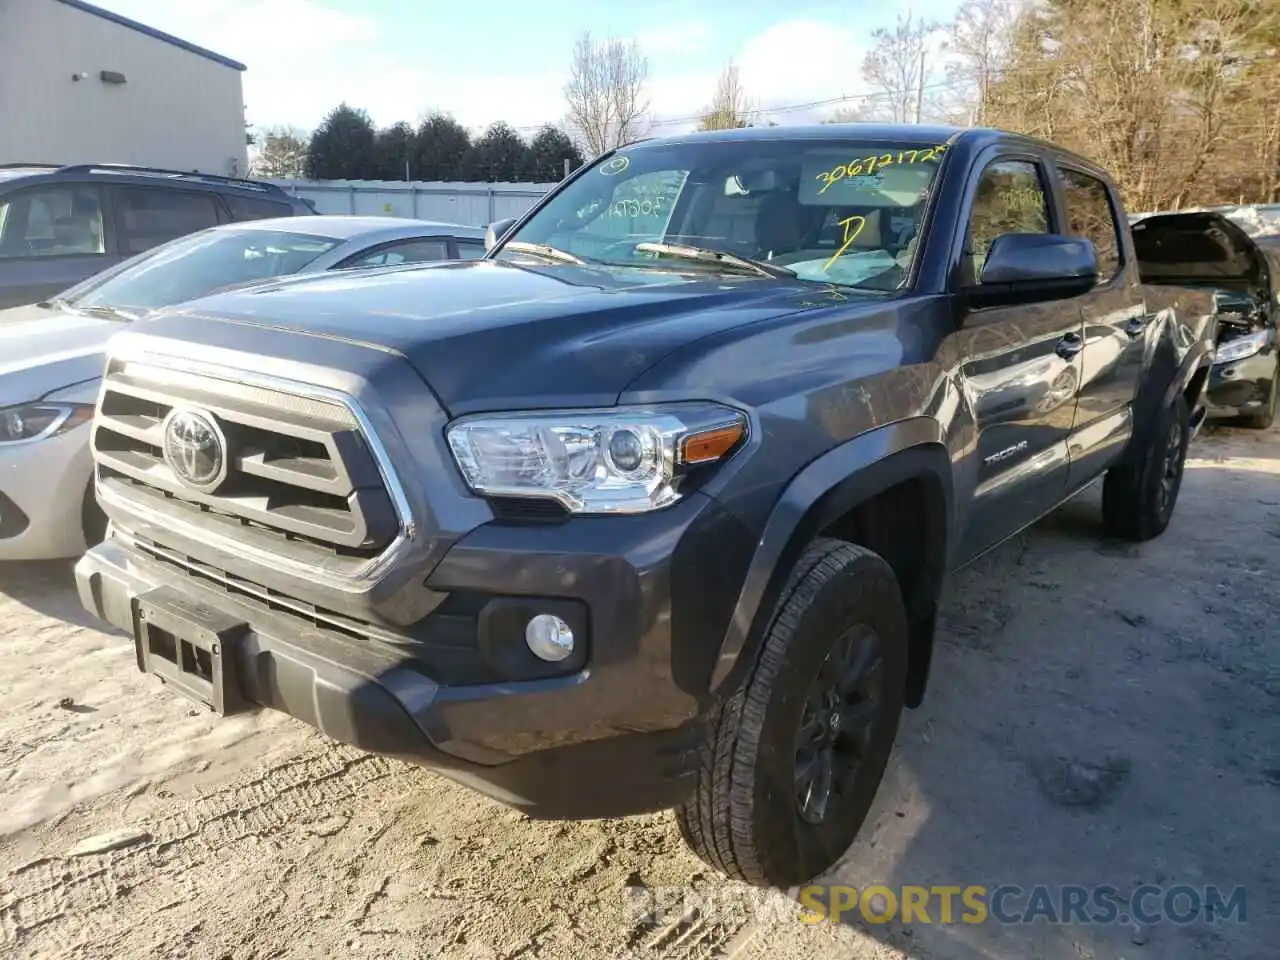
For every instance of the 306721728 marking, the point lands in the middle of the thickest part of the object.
(869, 165)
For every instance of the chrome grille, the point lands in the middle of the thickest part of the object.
(297, 467)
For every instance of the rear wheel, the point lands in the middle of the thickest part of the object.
(794, 759)
(1138, 498)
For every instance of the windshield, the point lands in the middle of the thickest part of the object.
(198, 264)
(836, 211)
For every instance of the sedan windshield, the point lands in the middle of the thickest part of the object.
(198, 264)
(836, 211)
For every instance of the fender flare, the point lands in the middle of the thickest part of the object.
(824, 490)
(1199, 357)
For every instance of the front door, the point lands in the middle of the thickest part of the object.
(1020, 368)
(51, 238)
(1115, 324)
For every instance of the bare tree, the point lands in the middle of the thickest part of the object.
(282, 153)
(607, 106)
(1176, 100)
(979, 40)
(897, 66)
(730, 108)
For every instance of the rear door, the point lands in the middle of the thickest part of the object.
(52, 236)
(146, 216)
(1115, 325)
(1020, 365)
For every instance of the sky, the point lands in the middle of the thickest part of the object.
(508, 60)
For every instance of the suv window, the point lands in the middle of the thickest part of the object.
(252, 208)
(149, 216)
(409, 251)
(1010, 199)
(1089, 215)
(54, 221)
(469, 249)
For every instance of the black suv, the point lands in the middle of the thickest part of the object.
(652, 506)
(61, 224)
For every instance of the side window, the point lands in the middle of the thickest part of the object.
(1010, 199)
(251, 208)
(1089, 215)
(152, 215)
(410, 251)
(469, 249)
(55, 221)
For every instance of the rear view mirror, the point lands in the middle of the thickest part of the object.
(1027, 267)
(495, 231)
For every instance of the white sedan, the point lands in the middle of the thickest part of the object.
(52, 354)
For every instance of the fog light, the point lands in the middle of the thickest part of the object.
(549, 637)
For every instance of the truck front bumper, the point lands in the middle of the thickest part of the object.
(616, 737)
(1242, 387)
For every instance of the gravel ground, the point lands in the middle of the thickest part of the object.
(1100, 713)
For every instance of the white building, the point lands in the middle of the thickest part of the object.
(79, 84)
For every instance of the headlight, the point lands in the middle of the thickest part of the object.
(620, 460)
(1242, 347)
(35, 421)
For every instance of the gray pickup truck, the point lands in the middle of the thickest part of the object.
(650, 507)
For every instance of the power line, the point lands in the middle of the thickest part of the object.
(865, 98)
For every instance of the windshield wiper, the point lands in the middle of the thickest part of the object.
(720, 257)
(106, 312)
(57, 303)
(543, 250)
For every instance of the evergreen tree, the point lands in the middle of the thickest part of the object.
(394, 147)
(342, 148)
(499, 155)
(441, 148)
(547, 154)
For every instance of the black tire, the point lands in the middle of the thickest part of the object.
(746, 817)
(1264, 420)
(1138, 498)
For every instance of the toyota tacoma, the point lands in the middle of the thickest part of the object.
(651, 506)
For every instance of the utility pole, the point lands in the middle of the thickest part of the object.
(920, 86)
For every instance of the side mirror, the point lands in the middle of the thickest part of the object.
(495, 231)
(1029, 267)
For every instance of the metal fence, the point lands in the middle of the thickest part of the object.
(474, 204)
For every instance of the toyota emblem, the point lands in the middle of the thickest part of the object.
(195, 449)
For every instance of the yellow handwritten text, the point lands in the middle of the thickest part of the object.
(852, 227)
(868, 165)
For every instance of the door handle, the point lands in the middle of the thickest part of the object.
(1136, 325)
(1069, 346)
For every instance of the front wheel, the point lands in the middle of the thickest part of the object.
(794, 758)
(1138, 498)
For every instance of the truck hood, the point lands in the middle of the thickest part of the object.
(1200, 249)
(43, 350)
(489, 335)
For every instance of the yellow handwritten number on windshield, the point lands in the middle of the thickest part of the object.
(868, 165)
(852, 227)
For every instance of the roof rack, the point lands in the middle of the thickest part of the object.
(132, 170)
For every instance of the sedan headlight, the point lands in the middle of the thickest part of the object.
(1242, 347)
(36, 421)
(619, 460)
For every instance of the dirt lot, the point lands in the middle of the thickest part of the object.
(1100, 714)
